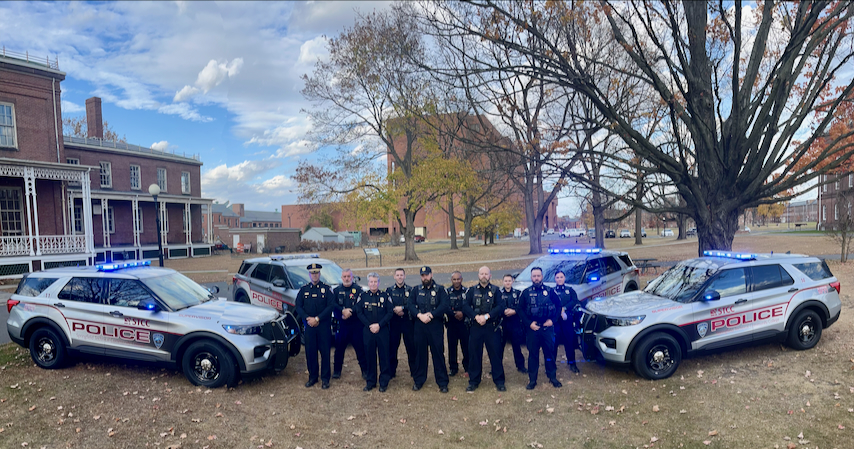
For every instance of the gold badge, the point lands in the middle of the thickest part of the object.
(407, 294)
(433, 293)
(514, 296)
(545, 293)
(490, 294)
(382, 300)
(354, 290)
(322, 290)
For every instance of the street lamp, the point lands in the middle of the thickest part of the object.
(154, 190)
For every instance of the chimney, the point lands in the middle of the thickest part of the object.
(94, 120)
(238, 209)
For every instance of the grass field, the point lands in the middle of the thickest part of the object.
(756, 397)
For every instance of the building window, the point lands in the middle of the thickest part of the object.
(106, 174)
(836, 213)
(78, 219)
(824, 212)
(111, 220)
(7, 126)
(850, 180)
(185, 182)
(161, 179)
(135, 181)
(837, 182)
(10, 211)
(824, 184)
(72, 161)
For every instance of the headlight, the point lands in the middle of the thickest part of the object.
(624, 320)
(253, 329)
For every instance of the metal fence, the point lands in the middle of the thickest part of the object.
(124, 146)
(29, 58)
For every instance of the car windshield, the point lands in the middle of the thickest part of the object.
(683, 281)
(330, 274)
(573, 269)
(178, 291)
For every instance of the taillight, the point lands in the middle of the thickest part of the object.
(11, 303)
(836, 286)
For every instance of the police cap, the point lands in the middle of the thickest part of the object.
(426, 270)
(314, 268)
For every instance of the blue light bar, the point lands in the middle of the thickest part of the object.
(575, 251)
(738, 256)
(119, 266)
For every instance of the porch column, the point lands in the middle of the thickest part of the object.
(28, 187)
(163, 228)
(104, 216)
(88, 227)
(135, 212)
(188, 226)
(210, 223)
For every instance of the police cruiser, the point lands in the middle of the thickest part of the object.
(719, 300)
(591, 272)
(137, 312)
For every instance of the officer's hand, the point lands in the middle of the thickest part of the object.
(398, 310)
(563, 315)
(312, 321)
(375, 328)
(459, 316)
(548, 323)
(424, 318)
(481, 319)
(534, 326)
(347, 313)
(509, 312)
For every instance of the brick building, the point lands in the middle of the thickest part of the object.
(263, 231)
(835, 197)
(68, 201)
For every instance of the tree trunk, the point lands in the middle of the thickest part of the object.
(409, 235)
(680, 223)
(467, 223)
(492, 237)
(534, 228)
(452, 222)
(598, 218)
(639, 214)
(716, 229)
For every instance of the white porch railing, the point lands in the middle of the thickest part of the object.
(62, 244)
(16, 245)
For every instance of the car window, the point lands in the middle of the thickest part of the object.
(787, 278)
(573, 269)
(83, 290)
(330, 275)
(626, 260)
(262, 272)
(814, 270)
(770, 276)
(611, 265)
(278, 273)
(244, 267)
(729, 282)
(34, 286)
(178, 291)
(593, 266)
(682, 282)
(126, 293)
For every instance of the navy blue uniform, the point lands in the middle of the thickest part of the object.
(350, 330)
(375, 308)
(540, 304)
(566, 329)
(400, 327)
(482, 300)
(458, 330)
(512, 330)
(431, 299)
(315, 300)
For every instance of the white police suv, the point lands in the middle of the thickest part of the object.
(137, 312)
(275, 281)
(720, 300)
(591, 272)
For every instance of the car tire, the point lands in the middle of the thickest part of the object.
(805, 331)
(241, 297)
(47, 349)
(295, 346)
(207, 364)
(631, 287)
(657, 356)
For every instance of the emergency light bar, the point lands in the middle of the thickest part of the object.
(119, 266)
(294, 256)
(738, 256)
(575, 251)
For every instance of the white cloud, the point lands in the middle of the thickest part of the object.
(312, 50)
(243, 183)
(160, 146)
(185, 111)
(185, 94)
(68, 106)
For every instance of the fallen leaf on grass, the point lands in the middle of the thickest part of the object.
(791, 446)
(653, 439)
(499, 401)
(359, 433)
(840, 427)
(440, 432)
(32, 408)
(713, 433)
(529, 400)
(682, 412)
(707, 442)
(349, 418)
(483, 423)
(655, 408)
(211, 437)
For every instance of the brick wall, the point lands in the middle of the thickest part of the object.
(34, 113)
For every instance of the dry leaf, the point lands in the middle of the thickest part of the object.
(359, 433)
(707, 442)
(653, 439)
(529, 399)
(440, 432)
(713, 433)
(211, 437)
(655, 408)
(349, 418)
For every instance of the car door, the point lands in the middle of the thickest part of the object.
(593, 281)
(280, 288)
(613, 277)
(724, 321)
(80, 302)
(135, 333)
(260, 288)
(772, 288)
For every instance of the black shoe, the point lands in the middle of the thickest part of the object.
(310, 383)
(368, 388)
(336, 375)
(383, 389)
(531, 385)
(416, 387)
(501, 387)
(453, 372)
(574, 368)
(325, 386)
(471, 387)
(522, 370)
(556, 383)
(443, 389)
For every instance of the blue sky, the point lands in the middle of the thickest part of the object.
(217, 79)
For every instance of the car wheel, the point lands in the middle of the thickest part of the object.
(241, 297)
(657, 356)
(208, 364)
(805, 331)
(47, 349)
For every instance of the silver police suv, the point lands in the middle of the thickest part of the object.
(720, 300)
(137, 312)
(591, 272)
(275, 281)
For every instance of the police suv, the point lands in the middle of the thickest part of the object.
(591, 272)
(722, 299)
(138, 312)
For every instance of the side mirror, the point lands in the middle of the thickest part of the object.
(278, 283)
(358, 278)
(149, 305)
(515, 275)
(213, 289)
(711, 295)
(592, 277)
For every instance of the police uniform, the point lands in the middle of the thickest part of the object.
(375, 308)
(458, 330)
(482, 300)
(512, 330)
(350, 330)
(540, 304)
(428, 337)
(566, 329)
(400, 326)
(315, 300)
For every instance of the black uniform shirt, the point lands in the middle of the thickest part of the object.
(374, 308)
(456, 298)
(568, 298)
(399, 296)
(512, 299)
(481, 300)
(345, 298)
(315, 300)
(432, 299)
(539, 303)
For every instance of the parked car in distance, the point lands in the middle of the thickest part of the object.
(667, 232)
(747, 230)
(624, 233)
(551, 231)
(691, 232)
(573, 232)
(419, 238)
(610, 234)
(643, 232)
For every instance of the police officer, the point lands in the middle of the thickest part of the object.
(374, 311)
(566, 326)
(484, 306)
(349, 330)
(401, 323)
(429, 304)
(540, 310)
(314, 304)
(457, 324)
(512, 331)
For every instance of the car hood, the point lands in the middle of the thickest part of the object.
(630, 304)
(230, 312)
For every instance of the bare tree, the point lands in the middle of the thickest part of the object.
(841, 230)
